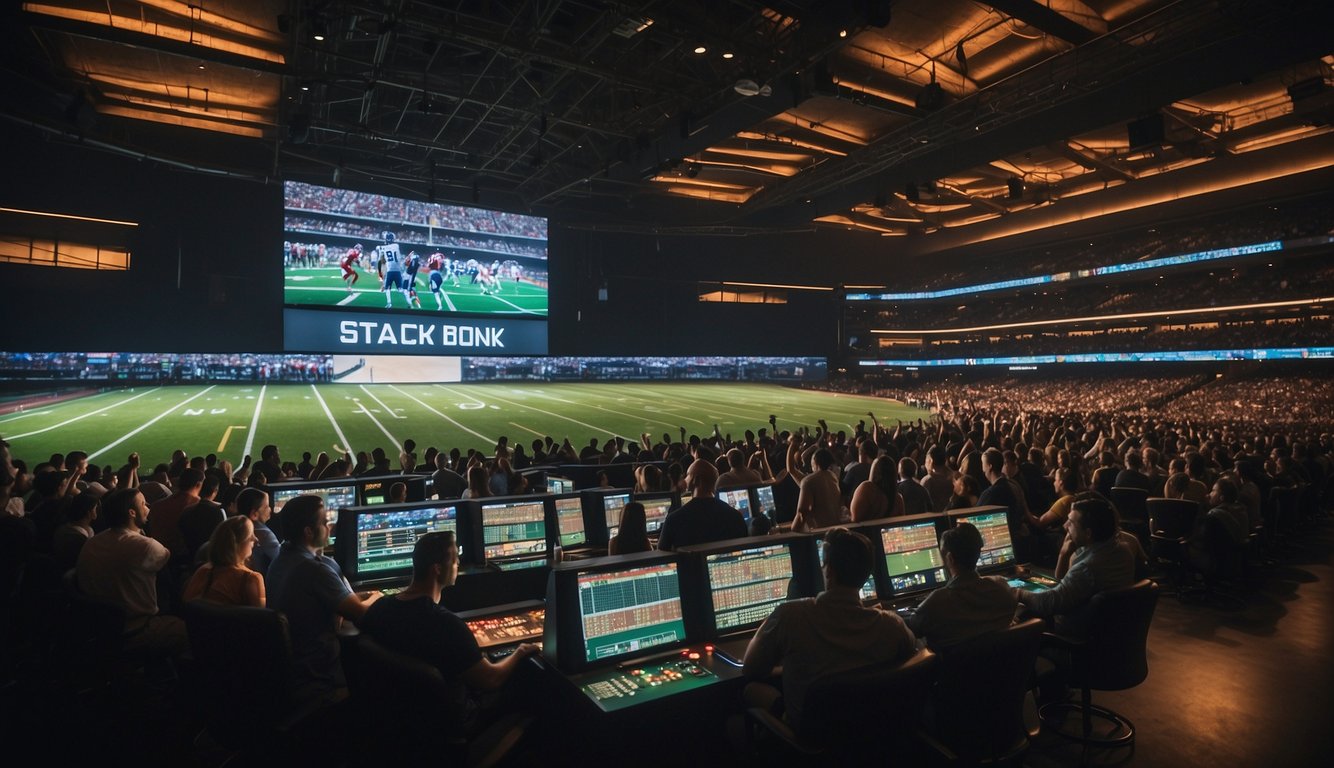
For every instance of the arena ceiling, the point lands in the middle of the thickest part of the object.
(902, 118)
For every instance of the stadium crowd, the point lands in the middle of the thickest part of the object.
(157, 367)
(1245, 334)
(394, 210)
(419, 237)
(149, 537)
(1304, 218)
(1306, 278)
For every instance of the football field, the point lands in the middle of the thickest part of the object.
(323, 286)
(232, 420)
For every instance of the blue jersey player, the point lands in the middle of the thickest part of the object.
(391, 266)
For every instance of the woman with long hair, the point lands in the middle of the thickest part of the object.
(225, 578)
(877, 496)
(479, 482)
(632, 533)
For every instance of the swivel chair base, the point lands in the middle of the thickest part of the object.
(1121, 734)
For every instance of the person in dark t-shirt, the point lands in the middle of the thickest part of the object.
(704, 518)
(415, 624)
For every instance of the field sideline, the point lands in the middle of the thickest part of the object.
(234, 419)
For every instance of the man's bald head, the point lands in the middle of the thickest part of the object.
(702, 478)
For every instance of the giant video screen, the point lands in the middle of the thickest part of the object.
(344, 248)
(368, 273)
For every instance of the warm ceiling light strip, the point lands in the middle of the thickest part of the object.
(69, 216)
(1316, 159)
(1128, 316)
(165, 31)
(774, 170)
(196, 110)
(790, 141)
(181, 120)
(179, 92)
(199, 14)
(710, 194)
(779, 285)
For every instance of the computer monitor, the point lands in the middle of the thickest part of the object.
(868, 591)
(559, 485)
(337, 495)
(383, 537)
(604, 513)
(738, 499)
(656, 508)
(375, 490)
(612, 504)
(747, 584)
(764, 500)
(612, 608)
(514, 532)
(997, 546)
(569, 520)
(912, 555)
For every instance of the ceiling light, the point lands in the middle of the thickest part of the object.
(727, 55)
(701, 49)
(842, 33)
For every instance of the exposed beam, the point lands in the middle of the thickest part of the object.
(1043, 18)
(1064, 149)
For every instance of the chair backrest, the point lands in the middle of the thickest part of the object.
(1172, 518)
(244, 655)
(867, 705)
(402, 689)
(1115, 656)
(978, 700)
(1130, 502)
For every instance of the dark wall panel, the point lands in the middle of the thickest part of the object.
(206, 267)
(653, 286)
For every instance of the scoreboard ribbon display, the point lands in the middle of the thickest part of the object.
(397, 333)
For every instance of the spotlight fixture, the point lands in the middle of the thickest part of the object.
(842, 33)
(317, 29)
(727, 55)
(701, 49)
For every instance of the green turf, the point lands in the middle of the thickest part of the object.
(323, 286)
(156, 420)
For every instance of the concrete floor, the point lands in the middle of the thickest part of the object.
(1244, 683)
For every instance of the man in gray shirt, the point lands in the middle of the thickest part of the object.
(1092, 560)
(968, 605)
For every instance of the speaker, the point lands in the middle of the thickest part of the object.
(1146, 131)
(1015, 189)
(931, 97)
(910, 192)
(298, 130)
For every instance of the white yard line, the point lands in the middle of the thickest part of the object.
(408, 395)
(150, 422)
(711, 406)
(567, 418)
(393, 440)
(672, 424)
(84, 416)
(386, 408)
(516, 306)
(254, 422)
(448, 302)
(345, 445)
(460, 394)
(526, 429)
(660, 401)
(24, 415)
(348, 299)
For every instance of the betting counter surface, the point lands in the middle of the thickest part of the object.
(629, 685)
